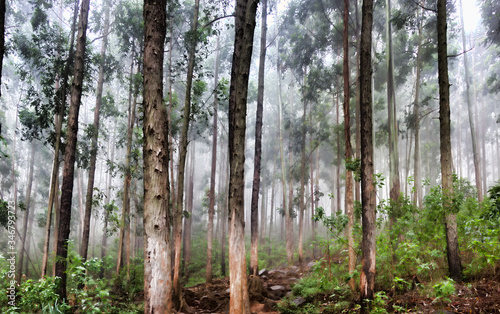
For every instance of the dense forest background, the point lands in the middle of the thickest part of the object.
(302, 149)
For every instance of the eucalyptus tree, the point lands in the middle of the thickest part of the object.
(28, 209)
(157, 214)
(47, 66)
(70, 151)
(392, 117)
(243, 45)
(472, 124)
(367, 277)
(186, 114)
(254, 207)
(130, 32)
(453, 252)
(95, 135)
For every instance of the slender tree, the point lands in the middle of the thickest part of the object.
(95, 135)
(416, 106)
(157, 216)
(254, 207)
(367, 278)
(349, 186)
(472, 124)
(60, 101)
(179, 196)
(391, 108)
(27, 210)
(211, 206)
(453, 253)
(238, 91)
(70, 150)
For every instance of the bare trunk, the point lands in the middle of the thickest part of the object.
(254, 207)
(416, 161)
(95, 135)
(288, 219)
(445, 145)
(27, 211)
(188, 221)
(302, 183)
(211, 207)
(70, 151)
(177, 226)
(125, 221)
(367, 278)
(157, 219)
(392, 120)
(240, 70)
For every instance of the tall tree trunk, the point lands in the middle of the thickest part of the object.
(475, 150)
(337, 183)
(95, 135)
(188, 221)
(271, 222)
(416, 105)
(157, 217)
(124, 237)
(211, 207)
(225, 212)
(238, 91)
(79, 187)
(357, 183)
(349, 186)
(287, 218)
(186, 113)
(367, 278)
(27, 211)
(392, 120)
(254, 207)
(70, 150)
(104, 240)
(60, 101)
(302, 179)
(453, 253)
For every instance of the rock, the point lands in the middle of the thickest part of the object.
(299, 301)
(263, 272)
(277, 288)
(311, 264)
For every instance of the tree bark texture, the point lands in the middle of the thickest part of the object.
(349, 186)
(238, 91)
(70, 151)
(254, 207)
(157, 217)
(453, 253)
(367, 278)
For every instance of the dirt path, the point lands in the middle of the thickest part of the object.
(265, 291)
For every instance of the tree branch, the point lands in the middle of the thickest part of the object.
(217, 19)
(459, 54)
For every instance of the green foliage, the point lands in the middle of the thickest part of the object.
(4, 213)
(36, 295)
(444, 289)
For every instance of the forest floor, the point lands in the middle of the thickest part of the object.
(271, 286)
